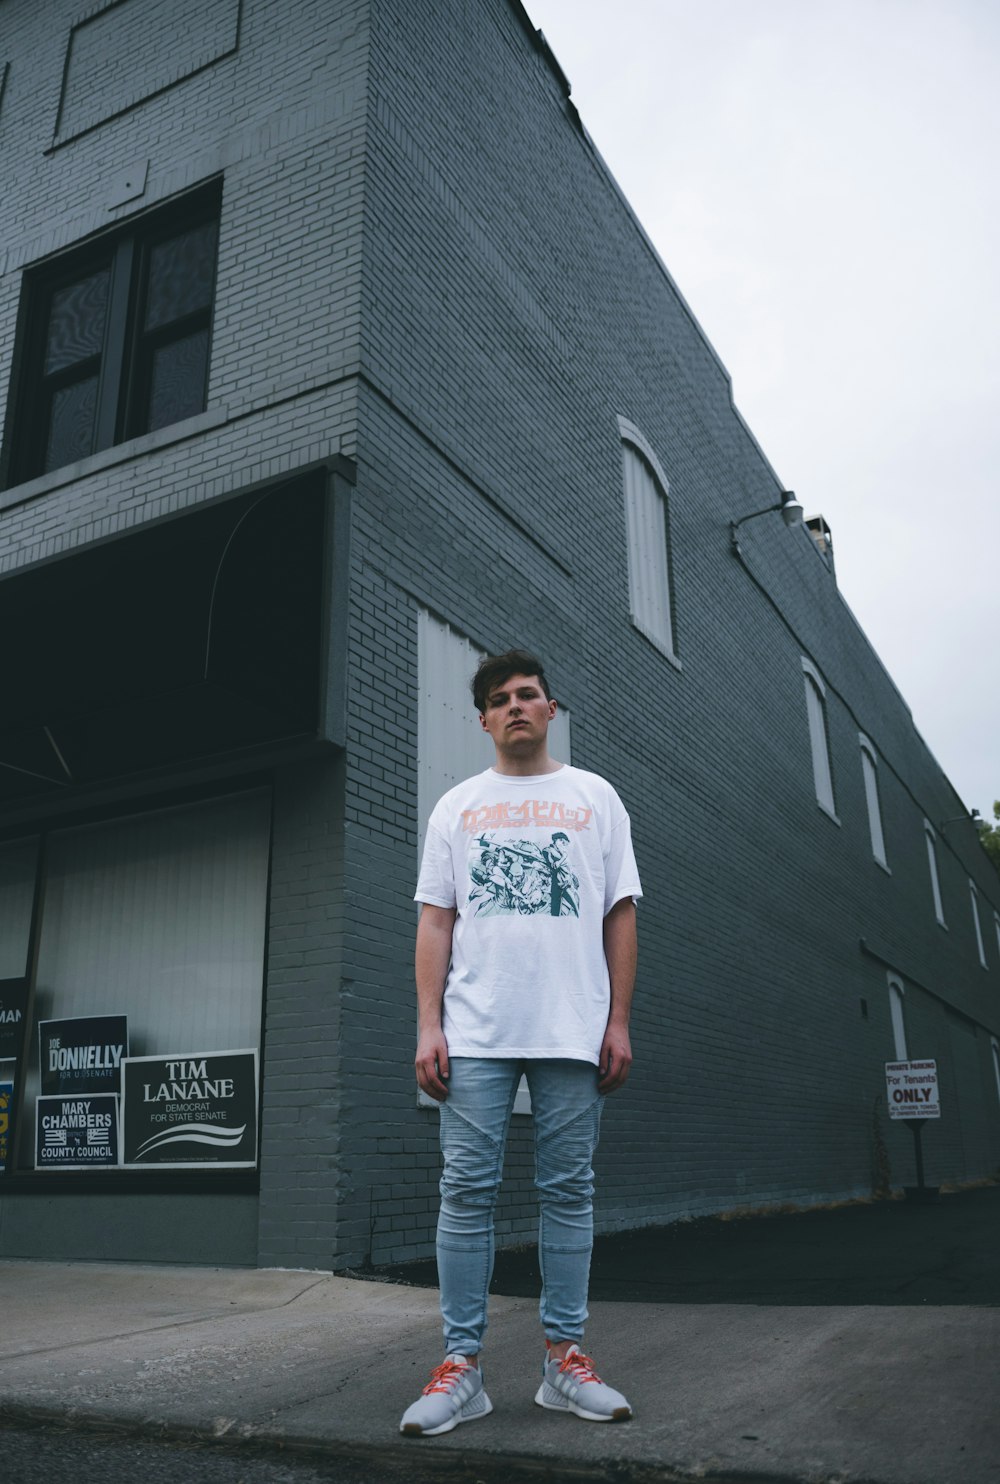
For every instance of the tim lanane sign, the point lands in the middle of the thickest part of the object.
(911, 1089)
(190, 1109)
(82, 1055)
(76, 1133)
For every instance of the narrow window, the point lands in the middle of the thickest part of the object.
(818, 738)
(116, 337)
(996, 930)
(898, 1023)
(647, 532)
(870, 774)
(974, 897)
(996, 1063)
(931, 838)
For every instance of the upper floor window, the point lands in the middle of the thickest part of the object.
(974, 896)
(115, 338)
(931, 840)
(647, 530)
(869, 771)
(897, 1019)
(818, 738)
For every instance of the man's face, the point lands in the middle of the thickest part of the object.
(517, 714)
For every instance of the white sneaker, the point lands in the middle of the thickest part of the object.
(454, 1394)
(572, 1385)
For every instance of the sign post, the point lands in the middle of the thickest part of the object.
(911, 1089)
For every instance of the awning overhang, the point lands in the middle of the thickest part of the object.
(155, 651)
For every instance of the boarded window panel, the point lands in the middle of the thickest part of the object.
(822, 776)
(874, 811)
(647, 536)
(159, 917)
(451, 744)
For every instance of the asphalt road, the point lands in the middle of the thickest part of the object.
(881, 1252)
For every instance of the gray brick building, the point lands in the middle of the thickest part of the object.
(331, 354)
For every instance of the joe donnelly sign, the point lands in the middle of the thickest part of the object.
(190, 1109)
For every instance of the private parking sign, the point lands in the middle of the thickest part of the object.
(911, 1089)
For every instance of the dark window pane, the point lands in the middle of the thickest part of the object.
(177, 384)
(71, 424)
(76, 322)
(181, 272)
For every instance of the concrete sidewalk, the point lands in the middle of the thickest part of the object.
(894, 1395)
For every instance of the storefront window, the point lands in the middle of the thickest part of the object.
(151, 945)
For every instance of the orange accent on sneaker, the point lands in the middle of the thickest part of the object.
(580, 1366)
(446, 1375)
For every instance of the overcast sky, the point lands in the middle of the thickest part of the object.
(821, 179)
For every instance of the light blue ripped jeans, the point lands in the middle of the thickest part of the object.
(567, 1114)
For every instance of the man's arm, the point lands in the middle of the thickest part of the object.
(433, 956)
(621, 952)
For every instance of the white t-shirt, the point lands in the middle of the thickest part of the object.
(533, 866)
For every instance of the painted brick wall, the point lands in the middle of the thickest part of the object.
(511, 311)
(279, 111)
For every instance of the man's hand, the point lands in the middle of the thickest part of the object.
(616, 1058)
(620, 950)
(432, 1064)
(434, 932)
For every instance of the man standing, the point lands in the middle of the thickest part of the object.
(532, 973)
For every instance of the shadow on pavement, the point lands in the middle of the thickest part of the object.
(883, 1252)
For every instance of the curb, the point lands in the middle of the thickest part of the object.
(388, 1463)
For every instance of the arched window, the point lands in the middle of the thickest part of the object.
(931, 840)
(974, 896)
(896, 993)
(647, 534)
(869, 769)
(818, 738)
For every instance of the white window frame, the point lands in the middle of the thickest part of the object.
(646, 500)
(819, 739)
(931, 839)
(974, 899)
(869, 772)
(897, 1000)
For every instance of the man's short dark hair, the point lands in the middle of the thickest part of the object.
(496, 668)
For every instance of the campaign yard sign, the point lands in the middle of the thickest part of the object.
(13, 1017)
(189, 1109)
(6, 1100)
(76, 1133)
(81, 1055)
(911, 1089)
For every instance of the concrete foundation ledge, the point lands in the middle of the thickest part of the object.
(391, 1463)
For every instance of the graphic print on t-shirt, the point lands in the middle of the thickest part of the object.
(523, 877)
